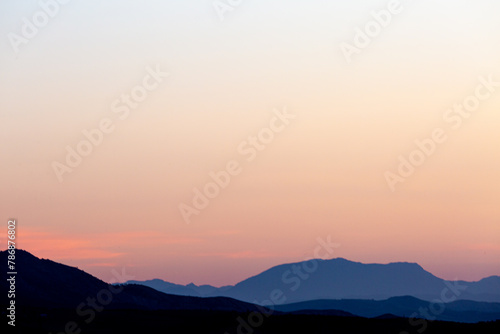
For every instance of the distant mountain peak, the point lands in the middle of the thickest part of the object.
(341, 259)
(157, 280)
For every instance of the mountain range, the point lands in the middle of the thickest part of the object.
(408, 307)
(48, 285)
(340, 279)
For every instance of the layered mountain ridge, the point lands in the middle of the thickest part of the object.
(341, 279)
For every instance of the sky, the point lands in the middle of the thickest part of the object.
(227, 137)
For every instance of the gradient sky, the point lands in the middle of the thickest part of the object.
(323, 175)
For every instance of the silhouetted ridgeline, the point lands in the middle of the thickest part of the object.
(52, 297)
(342, 279)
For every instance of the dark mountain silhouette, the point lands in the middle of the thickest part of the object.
(48, 296)
(343, 279)
(458, 311)
(219, 322)
(45, 283)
